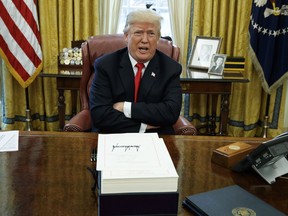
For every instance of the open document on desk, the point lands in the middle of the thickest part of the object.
(134, 162)
(9, 141)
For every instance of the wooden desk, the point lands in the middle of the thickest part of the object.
(198, 82)
(49, 176)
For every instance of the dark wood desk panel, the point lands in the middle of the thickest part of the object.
(49, 176)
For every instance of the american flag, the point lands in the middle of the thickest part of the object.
(20, 45)
(268, 32)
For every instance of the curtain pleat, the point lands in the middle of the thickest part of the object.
(86, 18)
(109, 13)
(179, 26)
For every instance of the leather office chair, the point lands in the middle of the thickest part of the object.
(97, 46)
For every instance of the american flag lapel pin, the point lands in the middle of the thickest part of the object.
(153, 74)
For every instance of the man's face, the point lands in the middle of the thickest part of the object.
(219, 61)
(142, 41)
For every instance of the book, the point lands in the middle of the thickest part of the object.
(134, 163)
(164, 203)
(231, 200)
(236, 63)
(233, 75)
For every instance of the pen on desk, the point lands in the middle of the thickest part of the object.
(93, 155)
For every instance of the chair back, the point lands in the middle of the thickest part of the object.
(96, 46)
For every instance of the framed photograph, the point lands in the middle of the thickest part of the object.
(217, 64)
(203, 50)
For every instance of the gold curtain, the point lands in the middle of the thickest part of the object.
(229, 19)
(179, 26)
(61, 21)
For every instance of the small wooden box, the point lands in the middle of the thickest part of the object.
(227, 156)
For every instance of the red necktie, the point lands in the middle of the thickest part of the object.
(138, 79)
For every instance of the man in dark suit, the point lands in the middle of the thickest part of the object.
(114, 105)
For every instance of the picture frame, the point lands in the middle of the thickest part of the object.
(203, 50)
(217, 64)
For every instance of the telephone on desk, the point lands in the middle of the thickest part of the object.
(269, 160)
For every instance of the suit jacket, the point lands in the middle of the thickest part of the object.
(159, 96)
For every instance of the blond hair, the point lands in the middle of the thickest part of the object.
(143, 15)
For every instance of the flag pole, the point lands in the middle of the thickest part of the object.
(28, 113)
(266, 118)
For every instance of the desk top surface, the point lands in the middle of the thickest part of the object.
(202, 75)
(55, 71)
(49, 175)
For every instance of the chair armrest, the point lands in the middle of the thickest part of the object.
(184, 127)
(80, 122)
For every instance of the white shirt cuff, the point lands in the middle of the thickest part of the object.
(127, 109)
(127, 113)
(143, 128)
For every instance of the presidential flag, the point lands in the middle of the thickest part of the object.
(20, 39)
(268, 32)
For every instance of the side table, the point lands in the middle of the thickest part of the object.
(199, 82)
(66, 80)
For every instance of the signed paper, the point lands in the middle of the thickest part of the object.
(135, 162)
(127, 150)
(9, 141)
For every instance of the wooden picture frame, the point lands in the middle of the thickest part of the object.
(203, 50)
(217, 64)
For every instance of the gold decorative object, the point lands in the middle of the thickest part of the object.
(28, 121)
(70, 56)
(265, 127)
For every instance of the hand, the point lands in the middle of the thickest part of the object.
(119, 106)
(152, 127)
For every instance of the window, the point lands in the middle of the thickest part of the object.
(161, 6)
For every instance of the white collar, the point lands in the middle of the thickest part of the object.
(134, 62)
